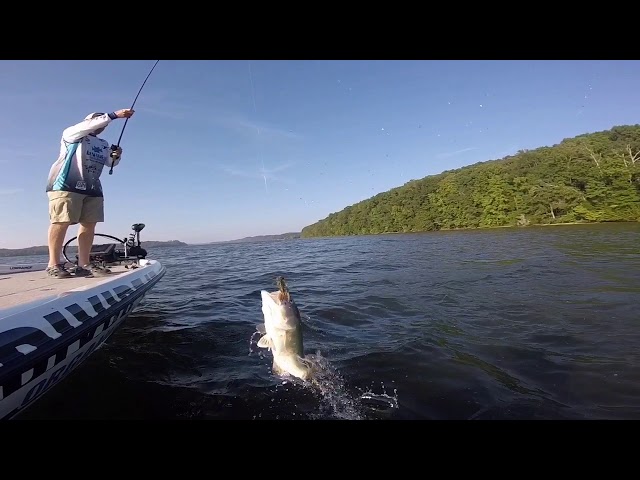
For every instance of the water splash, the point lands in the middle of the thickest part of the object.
(329, 388)
(253, 341)
(335, 399)
(380, 402)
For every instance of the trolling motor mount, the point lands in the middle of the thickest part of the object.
(109, 254)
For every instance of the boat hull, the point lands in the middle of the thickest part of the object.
(22, 267)
(41, 343)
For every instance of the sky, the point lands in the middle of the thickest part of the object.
(220, 150)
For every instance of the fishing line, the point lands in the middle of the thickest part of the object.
(255, 109)
(115, 147)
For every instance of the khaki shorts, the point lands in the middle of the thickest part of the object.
(72, 207)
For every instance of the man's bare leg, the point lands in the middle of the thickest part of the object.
(57, 232)
(85, 242)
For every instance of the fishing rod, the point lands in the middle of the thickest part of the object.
(115, 147)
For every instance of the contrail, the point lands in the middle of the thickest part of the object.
(255, 109)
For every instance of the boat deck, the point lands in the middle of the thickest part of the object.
(23, 287)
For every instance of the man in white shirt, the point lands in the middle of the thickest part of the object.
(75, 192)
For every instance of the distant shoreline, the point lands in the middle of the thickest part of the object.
(43, 249)
(465, 229)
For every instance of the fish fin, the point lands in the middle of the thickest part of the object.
(265, 342)
(261, 328)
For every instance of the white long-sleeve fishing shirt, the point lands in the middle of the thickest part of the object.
(82, 158)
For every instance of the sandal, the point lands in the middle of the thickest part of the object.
(58, 271)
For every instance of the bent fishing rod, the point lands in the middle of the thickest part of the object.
(115, 147)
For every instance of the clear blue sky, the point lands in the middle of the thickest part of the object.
(324, 134)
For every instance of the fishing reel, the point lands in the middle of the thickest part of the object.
(109, 254)
(113, 154)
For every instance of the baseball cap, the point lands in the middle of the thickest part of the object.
(93, 115)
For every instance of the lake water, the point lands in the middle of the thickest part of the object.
(535, 323)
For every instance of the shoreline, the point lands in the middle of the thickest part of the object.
(464, 229)
(11, 251)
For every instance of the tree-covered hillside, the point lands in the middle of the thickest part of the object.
(589, 178)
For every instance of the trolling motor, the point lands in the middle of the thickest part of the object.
(130, 247)
(109, 254)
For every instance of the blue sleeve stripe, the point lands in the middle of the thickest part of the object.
(64, 170)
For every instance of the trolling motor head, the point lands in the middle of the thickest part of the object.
(137, 227)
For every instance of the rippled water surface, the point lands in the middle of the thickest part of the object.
(536, 323)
